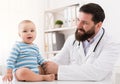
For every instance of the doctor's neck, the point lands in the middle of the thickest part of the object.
(96, 31)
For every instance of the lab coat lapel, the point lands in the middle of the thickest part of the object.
(91, 48)
(81, 51)
(78, 54)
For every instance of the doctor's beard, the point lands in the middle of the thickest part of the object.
(85, 35)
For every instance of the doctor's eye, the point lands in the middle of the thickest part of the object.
(84, 22)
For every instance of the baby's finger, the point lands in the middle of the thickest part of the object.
(9, 79)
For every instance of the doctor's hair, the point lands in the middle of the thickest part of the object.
(94, 9)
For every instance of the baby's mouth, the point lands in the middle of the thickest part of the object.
(29, 37)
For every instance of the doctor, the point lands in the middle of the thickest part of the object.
(90, 54)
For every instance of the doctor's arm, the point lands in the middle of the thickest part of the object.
(62, 58)
(96, 71)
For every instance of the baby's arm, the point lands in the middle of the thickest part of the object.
(8, 76)
(10, 63)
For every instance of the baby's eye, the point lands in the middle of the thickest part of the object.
(32, 30)
(24, 31)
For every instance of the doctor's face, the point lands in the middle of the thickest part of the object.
(86, 27)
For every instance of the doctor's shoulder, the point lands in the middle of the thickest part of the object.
(70, 39)
(111, 40)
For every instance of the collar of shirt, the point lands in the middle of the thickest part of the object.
(86, 43)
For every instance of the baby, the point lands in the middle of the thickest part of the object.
(25, 57)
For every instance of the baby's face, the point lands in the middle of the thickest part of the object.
(27, 32)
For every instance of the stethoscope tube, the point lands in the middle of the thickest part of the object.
(97, 42)
(99, 39)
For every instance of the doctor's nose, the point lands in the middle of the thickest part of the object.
(79, 24)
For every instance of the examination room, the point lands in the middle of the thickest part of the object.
(59, 42)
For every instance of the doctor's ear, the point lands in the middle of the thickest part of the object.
(99, 24)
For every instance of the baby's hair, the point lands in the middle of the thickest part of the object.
(25, 21)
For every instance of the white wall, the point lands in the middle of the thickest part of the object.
(11, 13)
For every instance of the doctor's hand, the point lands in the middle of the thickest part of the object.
(50, 67)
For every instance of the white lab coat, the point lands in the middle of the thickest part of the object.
(74, 65)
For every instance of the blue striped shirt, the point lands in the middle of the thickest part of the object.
(25, 55)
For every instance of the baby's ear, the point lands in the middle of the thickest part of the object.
(19, 34)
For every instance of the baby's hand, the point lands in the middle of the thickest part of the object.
(7, 77)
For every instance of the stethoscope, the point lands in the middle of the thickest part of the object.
(97, 42)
